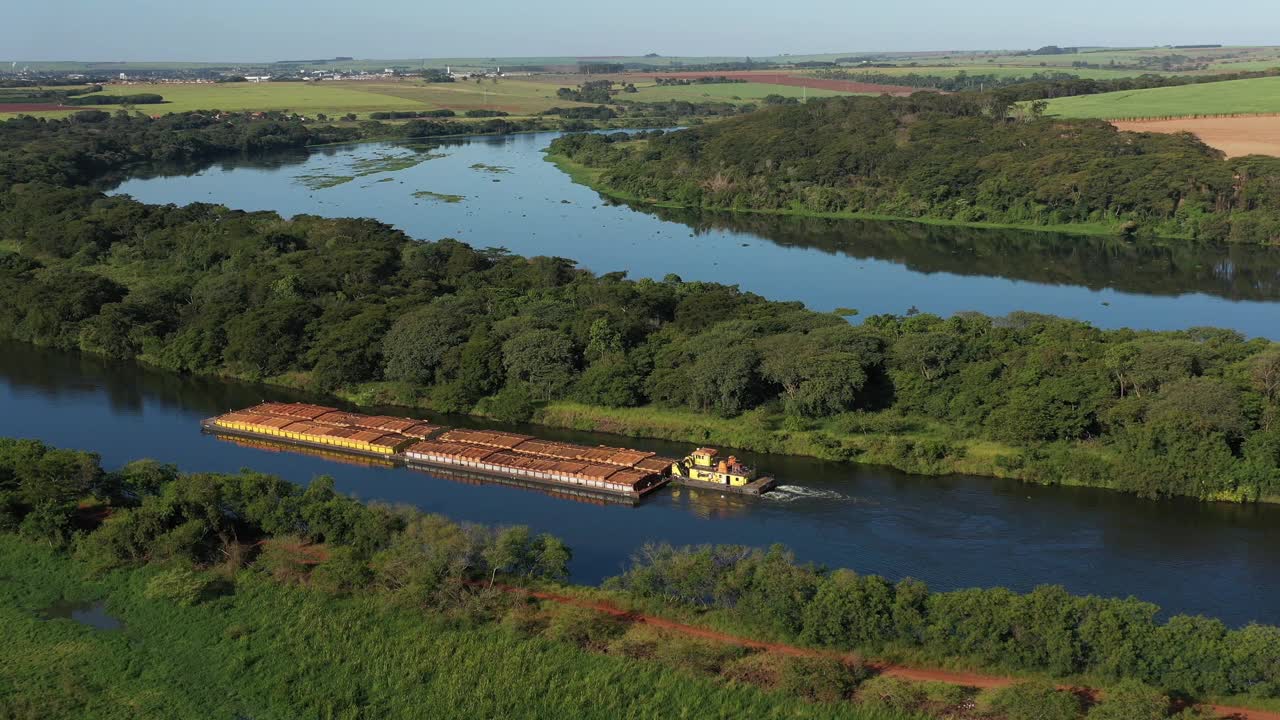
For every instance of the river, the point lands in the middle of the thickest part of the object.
(511, 197)
(952, 532)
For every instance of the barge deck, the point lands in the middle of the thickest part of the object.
(577, 470)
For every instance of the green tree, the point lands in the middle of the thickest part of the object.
(541, 358)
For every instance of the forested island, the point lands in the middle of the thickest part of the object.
(244, 594)
(358, 309)
(970, 158)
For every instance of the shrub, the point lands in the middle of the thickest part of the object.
(892, 693)
(1131, 700)
(342, 572)
(639, 642)
(525, 619)
(48, 523)
(583, 627)
(1034, 700)
(822, 679)
(284, 559)
(179, 585)
(760, 669)
(694, 655)
(947, 696)
(513, 403)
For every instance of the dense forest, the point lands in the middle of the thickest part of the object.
(966, 157)
(358, 308)
(216, 540)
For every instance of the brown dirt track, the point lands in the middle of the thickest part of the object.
(951, 677)
(1236, 136)
(778, 78)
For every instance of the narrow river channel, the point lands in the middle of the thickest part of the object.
(500, 192)
(1220, 560)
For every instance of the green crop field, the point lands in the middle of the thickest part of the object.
(518, 97)
(727, 92)
(1236, 96)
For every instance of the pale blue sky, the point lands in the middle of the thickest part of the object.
(260, 30)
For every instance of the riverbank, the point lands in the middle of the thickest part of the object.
(592, 178)
(266, 607)
(264, 648)
(913, 445)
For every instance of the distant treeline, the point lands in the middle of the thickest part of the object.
(592, 91)
(1039, 85)
(33, 94)
(8, 82)
(671, 109)
(100, 99)
(1049, 88)
(601, 68)
(705, 80)
(409, 114)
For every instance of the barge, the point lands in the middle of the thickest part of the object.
(564, 468)
(606, 471)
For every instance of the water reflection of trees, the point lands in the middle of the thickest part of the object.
(1174, 267)
(126, 387)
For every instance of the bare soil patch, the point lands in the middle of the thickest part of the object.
(1236, 136)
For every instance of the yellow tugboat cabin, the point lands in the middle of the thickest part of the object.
(702, 464)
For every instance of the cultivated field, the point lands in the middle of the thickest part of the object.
(1261, 95)
(728, 92)
(999, 70)
(1225, 59)
(785, 79)
(339, 98)
(1235, 136)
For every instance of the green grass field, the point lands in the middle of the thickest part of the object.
(518, 97)
(1237, 96)
(271, 651)
(727, 92)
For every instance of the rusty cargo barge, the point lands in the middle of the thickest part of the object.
(609, 472)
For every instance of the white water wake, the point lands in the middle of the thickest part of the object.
(791, 493)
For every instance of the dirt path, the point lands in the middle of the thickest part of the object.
(1235, 136)
(950, 677)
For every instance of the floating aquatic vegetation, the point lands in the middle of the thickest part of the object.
(320, 182)
(442, 197)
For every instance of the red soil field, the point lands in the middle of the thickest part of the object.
(779, 78)
(1235, 136)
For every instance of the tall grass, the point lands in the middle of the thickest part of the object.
(265, 650)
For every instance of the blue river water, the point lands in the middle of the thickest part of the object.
(954, 531)
(513, 198)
